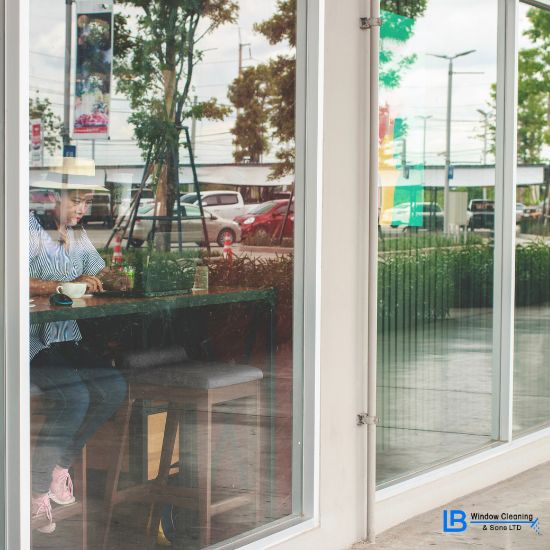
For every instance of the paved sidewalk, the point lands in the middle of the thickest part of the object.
(527, 493)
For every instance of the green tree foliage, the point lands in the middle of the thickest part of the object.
(533, 92)
(270, 88)
(155, 56)
(250, 94)
(51, 123)
(264, 96)
(534, 89)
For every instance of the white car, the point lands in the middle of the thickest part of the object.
(228, 204)
(218, 229)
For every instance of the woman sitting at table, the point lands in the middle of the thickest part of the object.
(84, 389)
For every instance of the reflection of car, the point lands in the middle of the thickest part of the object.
(520, 211)
(192, 230)
(265, 220)
(533, 212)
(419, 215)
(123, 207)
(99, 210)
(220, 203)
(481, 214)
(42, 203)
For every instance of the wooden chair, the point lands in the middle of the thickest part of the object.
(169, 376)
(80, 506)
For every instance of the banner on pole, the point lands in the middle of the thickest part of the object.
(37, 142)
(94, 65)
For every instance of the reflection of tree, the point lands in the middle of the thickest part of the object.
(251, 93)
(533, 92)
(265, 97)
(51, 123)
(154, 62)
(398, 18)
(265, 94)
(534, 89)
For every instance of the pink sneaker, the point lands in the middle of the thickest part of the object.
(40, 507)
(61, 487)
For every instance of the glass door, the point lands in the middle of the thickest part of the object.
(531, 400)
(437, 378)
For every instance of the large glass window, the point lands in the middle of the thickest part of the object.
(531, 403)
(164, 371)
(436, 379)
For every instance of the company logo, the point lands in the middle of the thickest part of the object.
(454, 521)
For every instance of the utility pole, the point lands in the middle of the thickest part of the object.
(194, 127)
(485, 116)
(424, 119)
(450, 59)
(241, 48)
(67, 82)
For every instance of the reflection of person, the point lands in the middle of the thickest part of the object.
(82, 390)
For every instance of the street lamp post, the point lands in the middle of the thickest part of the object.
(424, 119)
(67, 82)
(485, 116)
(450, 59)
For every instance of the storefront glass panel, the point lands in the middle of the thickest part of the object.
(532, 304)
(162, 243)
(436, 379)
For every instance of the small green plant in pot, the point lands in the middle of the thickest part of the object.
(161, 273)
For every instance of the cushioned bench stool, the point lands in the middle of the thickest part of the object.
(169, 376)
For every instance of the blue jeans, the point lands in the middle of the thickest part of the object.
(80, 391)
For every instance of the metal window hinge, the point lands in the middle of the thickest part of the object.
(369, 22)
(364, 418)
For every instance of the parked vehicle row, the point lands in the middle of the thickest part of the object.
(218, 229)
(266, 220)
(226, 216)
(414, 216)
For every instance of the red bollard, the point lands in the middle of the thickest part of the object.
(117, 250)
(227, 250)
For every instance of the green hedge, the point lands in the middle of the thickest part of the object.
(414, 288)
(423, 285)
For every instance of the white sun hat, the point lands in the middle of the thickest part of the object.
(70, 173)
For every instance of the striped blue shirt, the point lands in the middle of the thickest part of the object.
(51, 260)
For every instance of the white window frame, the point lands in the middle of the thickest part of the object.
(307, 268)
(504, 265)
(16, 284)
(3, 232)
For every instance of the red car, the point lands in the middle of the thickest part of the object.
(265, 220)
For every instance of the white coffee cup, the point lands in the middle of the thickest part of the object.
(72, 290)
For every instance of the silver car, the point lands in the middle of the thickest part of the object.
(192, 231)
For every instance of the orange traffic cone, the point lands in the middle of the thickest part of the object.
(117, 250)
(227, 250)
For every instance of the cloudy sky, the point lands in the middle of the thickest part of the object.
(447, 27)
